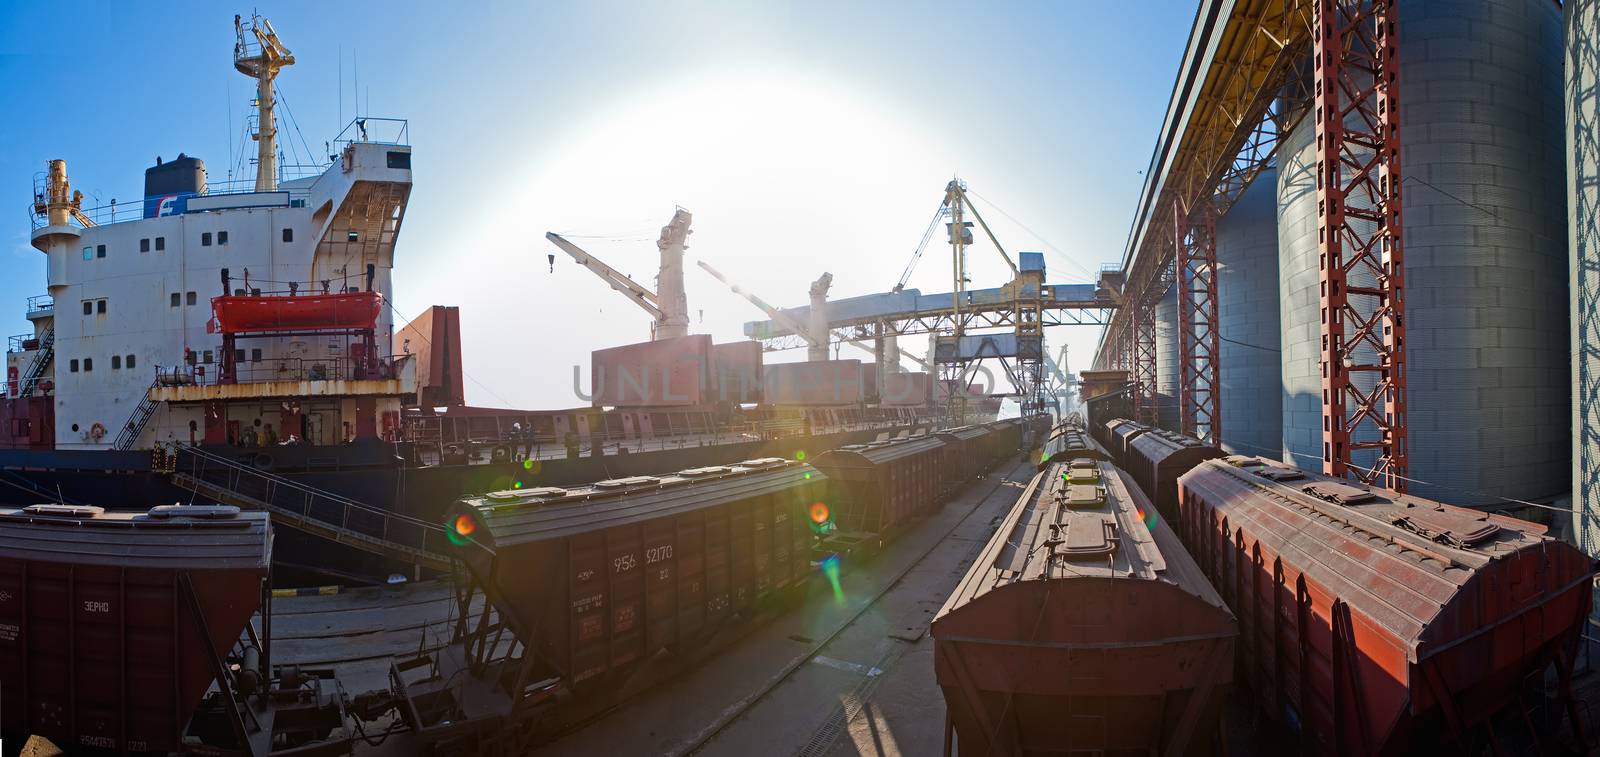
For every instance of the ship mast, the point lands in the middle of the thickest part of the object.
(258, 54)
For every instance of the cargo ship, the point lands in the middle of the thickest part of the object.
(236, 342)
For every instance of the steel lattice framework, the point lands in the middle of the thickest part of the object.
(1199, 348)
(1356, 107)
(1242, 86)
(1143, 363)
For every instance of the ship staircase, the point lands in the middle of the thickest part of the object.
(136, 422)
(41, 361)
(215, 478)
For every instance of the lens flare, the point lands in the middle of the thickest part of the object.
(819, 513)
(1148, 517)
(461, 529)
(528, 464)
(801, 455)
(830, 568)
(808, 475)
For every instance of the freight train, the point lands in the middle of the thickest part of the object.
(114, 626)
(1368, 622)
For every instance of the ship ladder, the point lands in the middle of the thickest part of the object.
(41, 361)
(321, 513)
(136, 422)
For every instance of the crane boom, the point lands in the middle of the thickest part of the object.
(788, 322)
(640, 296)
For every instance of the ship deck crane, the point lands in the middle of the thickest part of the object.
(670, 308)
(806, 332)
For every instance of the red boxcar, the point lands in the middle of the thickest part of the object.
(1081, 629)
(110, 622)
(597, 579)
(1156, 458)
(1379, 623)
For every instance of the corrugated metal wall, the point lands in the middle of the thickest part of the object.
(1167, 357)
(1486, 271)
(1247, 312)
(1583, 240)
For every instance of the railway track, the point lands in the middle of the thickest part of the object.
(834, 726)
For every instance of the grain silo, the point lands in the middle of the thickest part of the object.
(1247, 314)
(1485, 226)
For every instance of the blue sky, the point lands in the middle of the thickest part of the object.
(804, 136)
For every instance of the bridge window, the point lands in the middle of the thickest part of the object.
(88, 253)
(207, 357)
(100, 306)
(88, 364)
(191, 298)
(129, 362)
(100, 251)
(116, 362)
(222, 237)
(205, 239)
(144, 245)
(255, 354)
(161, 243)
(88, 307)
(177, 299)
(288, 234)
(238, 355)
(73, 366)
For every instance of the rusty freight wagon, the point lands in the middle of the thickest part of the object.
(1119, 434)
(1005, 440)
(1157, 457)
(595, 580)
(1069, 443)
(113, 625)
(1080, 628)
(966, 454)
(875, 490)
(1379, 623)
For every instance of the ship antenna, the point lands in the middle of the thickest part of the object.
(259, 54)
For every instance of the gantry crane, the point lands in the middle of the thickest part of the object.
(814, 338)
(259, 54)
(669, 307)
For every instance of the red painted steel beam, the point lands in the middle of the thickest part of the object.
(1356, 108)
(1199, 346)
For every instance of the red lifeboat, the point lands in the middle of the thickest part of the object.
(345, 311)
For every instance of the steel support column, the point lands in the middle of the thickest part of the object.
(1143, 367)
(1199, 353)
(1356, 107)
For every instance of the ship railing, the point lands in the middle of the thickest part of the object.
(373, 130)
(120, 212)
(315, 510)
(298, 369)
(41, 303)
(16, 342)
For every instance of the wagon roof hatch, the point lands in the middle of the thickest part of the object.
(1339, 494)
(1456, 528)
(618, 483)
(1088, 536)
(1083, 496)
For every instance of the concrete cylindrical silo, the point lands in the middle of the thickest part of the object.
(1167, 358)
(1247, 315)
(1482, 158)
